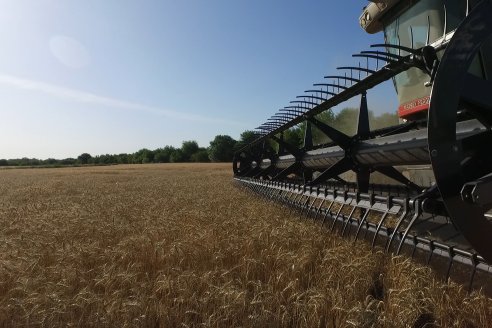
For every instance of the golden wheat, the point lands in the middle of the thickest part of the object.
(181, 246)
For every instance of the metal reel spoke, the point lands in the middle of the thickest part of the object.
(363, 175)
(396, 175)
(477, 160)
(333, 171)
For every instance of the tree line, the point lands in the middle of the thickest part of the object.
(221, 149)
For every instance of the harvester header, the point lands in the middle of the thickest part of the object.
(424, 184)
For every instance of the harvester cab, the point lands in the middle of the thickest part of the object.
(415, 25)
(438, 53)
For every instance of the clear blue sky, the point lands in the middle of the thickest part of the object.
(118, 75)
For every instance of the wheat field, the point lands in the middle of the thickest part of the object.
(183, 246)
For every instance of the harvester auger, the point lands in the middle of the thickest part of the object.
(439, 56)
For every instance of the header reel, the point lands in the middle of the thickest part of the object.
(439, 56)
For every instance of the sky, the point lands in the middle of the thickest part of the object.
(116, 76)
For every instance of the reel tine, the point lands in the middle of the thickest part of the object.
(296, 113)
(286, 115)
(445, 20)
(300, 107)
(396, 46)
(279, 120)
(386, 59)
(285, 109)
(333, 85)
(304, 102)
(382, 53)
(320, 92)
(411, 36)
(282, 115)
(346, 78)
(312, 97)
(366, 70)
(427, 39)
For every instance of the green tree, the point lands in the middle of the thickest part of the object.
(143, 156)
(49, 161)
(221, 148)
(346, 121)
(84, 158)
(163, 155)
(123, 158)
(247, 137)
(105, 159)
(327, 117)
(294, 136)
(188, 148)
(201, 156)
(384, 120)
(177, 156)
(68, 161)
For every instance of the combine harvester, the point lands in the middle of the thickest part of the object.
(439, 56)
